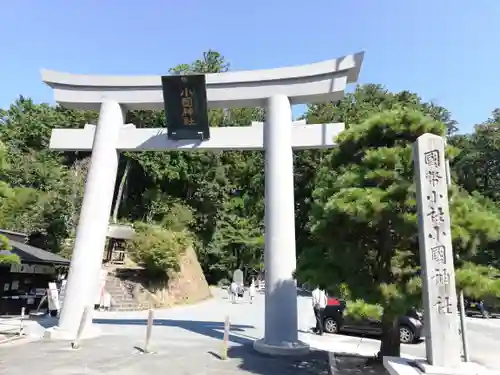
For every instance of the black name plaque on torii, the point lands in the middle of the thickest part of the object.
(185, 99)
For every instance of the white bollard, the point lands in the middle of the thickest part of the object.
(76, 344)
(225, 339)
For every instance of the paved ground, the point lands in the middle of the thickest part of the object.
(187, 341)
(483, 341)
(111, 356)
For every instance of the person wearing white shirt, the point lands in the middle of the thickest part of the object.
(233, 292)
(251, 290)
(319, 302)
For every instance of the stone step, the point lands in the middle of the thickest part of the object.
(125, 308)
(118, 301)
(121, 297)
(118, 292)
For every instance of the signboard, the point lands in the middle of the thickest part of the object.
(185, 99)
(32, 268)
(238, 277)
(53, 297)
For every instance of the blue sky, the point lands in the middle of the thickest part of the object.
(445, 50)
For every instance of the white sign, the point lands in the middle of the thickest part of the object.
(238, 276)
(15, 285)
(53, 297)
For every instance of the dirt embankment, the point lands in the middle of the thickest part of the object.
(186, 286)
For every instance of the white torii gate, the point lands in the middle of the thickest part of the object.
(276, 90)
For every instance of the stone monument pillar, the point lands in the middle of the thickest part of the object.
(436, 253)
(438, 272)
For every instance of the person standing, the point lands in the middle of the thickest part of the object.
(252, 291)
(482, 310)
(53, 299)
(319, 302)
(233, 292)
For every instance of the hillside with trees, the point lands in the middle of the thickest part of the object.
(214, 201)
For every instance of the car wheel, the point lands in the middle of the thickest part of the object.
(406, 335)
(331, 325)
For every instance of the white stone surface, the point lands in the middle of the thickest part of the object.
(282, 349)
(465, 368)
(223, 138)
(436, 254)
(86, 260)
(405, 366)
(312, 83)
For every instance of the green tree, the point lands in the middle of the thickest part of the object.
(364, 221)
(368, 99)
(158, 249)
(477, 167)
(353, 109)
(238, 241)
(41, 201)
(7, 258)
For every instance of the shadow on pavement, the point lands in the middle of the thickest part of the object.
(44, 321)
(247, 359)
(206, 328)
(315, 362)
(303, 293)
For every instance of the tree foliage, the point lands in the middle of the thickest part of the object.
(365, 186)
(158, 249)
(6, 258)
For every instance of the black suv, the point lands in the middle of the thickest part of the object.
(335, 321)
(490, 308)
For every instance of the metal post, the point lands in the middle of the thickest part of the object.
(225, 339)
(148, 331)
(463, 327)
(76, 344)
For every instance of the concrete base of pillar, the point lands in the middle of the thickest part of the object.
(56, 333)
(405, 366)
(283, 349)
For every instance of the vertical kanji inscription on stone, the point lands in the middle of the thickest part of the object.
(436, 253)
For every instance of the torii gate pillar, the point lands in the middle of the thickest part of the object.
(280, 254)
(86, 261)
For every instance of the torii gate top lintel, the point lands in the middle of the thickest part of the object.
(303, 84)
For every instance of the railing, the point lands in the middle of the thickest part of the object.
(12, 327)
